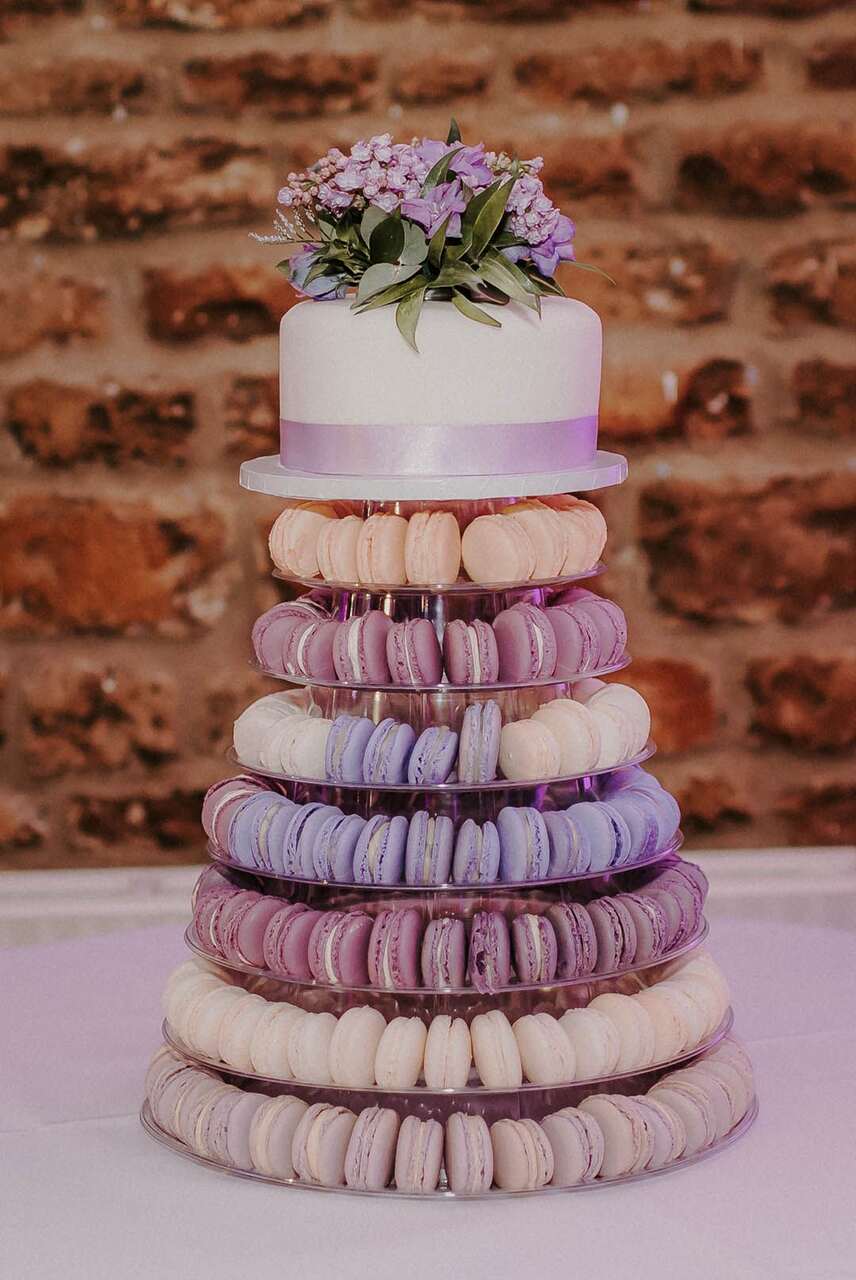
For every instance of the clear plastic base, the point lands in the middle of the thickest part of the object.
(440, 602)
(443, 1192)
(268, 475)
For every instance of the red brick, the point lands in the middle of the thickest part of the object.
(831, 64)
(710, 401)
(683, 283)
(780, 549)
(711, 803)
(440, 79)
(252, 416)
(681, 699)
(295, 87)
(86, 564)
(161, 826)
(769, 8)
(78, 717)
(59, 425)
(236, 302)
(18, 15)
(649, 69)
(494, 10)
(48, 308)
(46, 194)
(218, 15)
(814, 283)
(826, 397)
(598, 169)
(821, 814)
(226, 695)
(72, 86)
(767, 169)
(805, 701)
(22, 828)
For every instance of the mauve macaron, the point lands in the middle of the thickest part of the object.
(606, 617)
(490, 951)
(310, 650)
(615, 933)
(338, 948)
(535, 950)
(394, 945)
(359, 649)
(273, 630)
(577, 641)
(470, 652)
(285, 946)
(444, 953)
(250, 932)
(575, 939)
(649, 921)
(413, 653)
(526, 643)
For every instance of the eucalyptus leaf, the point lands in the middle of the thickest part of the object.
(381, 275)
(454, 134)
(488, 218)
(439, 172)
(546, 285)
(393, 294)
(590, 266)
(473, 312)
(370, 219)
(284, 266)
(496, 272)
(438, 244)
(387, 240)
(477, 203)
(458, 274)
(407, 316)
(415, 245)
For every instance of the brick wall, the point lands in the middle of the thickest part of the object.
(706, 150)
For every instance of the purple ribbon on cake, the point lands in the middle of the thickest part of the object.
(513, 448)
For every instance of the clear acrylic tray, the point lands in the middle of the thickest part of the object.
(466, 599)
(293, 990)
(443, 1192)
(317, 892)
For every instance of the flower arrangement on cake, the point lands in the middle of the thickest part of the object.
(396, 223)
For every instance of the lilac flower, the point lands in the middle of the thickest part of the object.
(468, 162)
(324, 288)
(548, 253)
(432, 210)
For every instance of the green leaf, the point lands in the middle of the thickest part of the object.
(468, 217)
(454, 134)
(387, 240)
(497, 271)
(415, 244)
(488, 218)
(393, 294)
(284, 266)
(319, 269)
(407, 316)
(380, 276)
(472, 312)
(590, 266)
(457, 274)
(438, 244)
(439, 172)
(546, 285)
(370, 219)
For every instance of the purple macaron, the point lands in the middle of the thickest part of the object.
(526, 643)
(535, 949)
(413, 653)
(273, 630)
(394, 949)
(615, 933)
(433, 756)
(478, 750)
(335, 845)
(338, 948)
(567, 856)
(490, 951)
(444, 953)
(359, 649)
(606, 617)
(524, 844)
(387, 753)
(577, 641)
(299, 842)
(477, 853)
(345, 751)
(470, 652)
(575, 939)
(286, 941)
(650, 924)
(310, 650)
(379, 852)
(429, 850)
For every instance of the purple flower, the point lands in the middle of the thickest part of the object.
(545, 256)
(323, 289)
(442, 202)
(468, 162)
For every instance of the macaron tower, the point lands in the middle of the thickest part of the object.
(446, 945)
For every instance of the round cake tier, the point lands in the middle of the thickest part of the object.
(267, 475)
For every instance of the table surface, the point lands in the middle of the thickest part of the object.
(85, 1193)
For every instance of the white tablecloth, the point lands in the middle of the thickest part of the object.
(84, 1193)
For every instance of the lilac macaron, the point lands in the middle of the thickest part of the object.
(615, 932)
(433, 756)
(575, 939)
(533, 940)
(379, 852)
(273, 630)
(568, 852)
(286, 940)
(577, 641)
(596, 833)
(490, 951)
(650, 925)
(478, 750)
(394, 948)
(606, 617)
(526, 643)
(338, 948)
(477, 853)
(299, 843)
(429, 849)
(335, 845)
(359, 649)
(413, 653)
(470, 652)
(345, 751)
(444, 953)
(524, 844)
(310, 650)
(387, 753)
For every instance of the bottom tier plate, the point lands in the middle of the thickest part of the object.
(154, 1131)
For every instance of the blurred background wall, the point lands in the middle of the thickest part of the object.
(706, 152)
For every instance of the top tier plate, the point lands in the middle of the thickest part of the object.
(268, 475)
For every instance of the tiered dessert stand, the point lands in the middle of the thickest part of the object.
(421, 706)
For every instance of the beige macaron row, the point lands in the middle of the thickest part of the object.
(614, 1034)
(532, 540)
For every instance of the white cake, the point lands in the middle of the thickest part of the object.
(338, 367)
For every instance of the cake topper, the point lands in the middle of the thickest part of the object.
(396, 223)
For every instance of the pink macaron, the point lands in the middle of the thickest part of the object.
(470, 652)
(413, 653)
(359, 649)
(526, 642)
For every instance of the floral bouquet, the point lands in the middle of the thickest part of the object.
(396, 223)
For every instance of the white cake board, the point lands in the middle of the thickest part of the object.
(268, 475)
